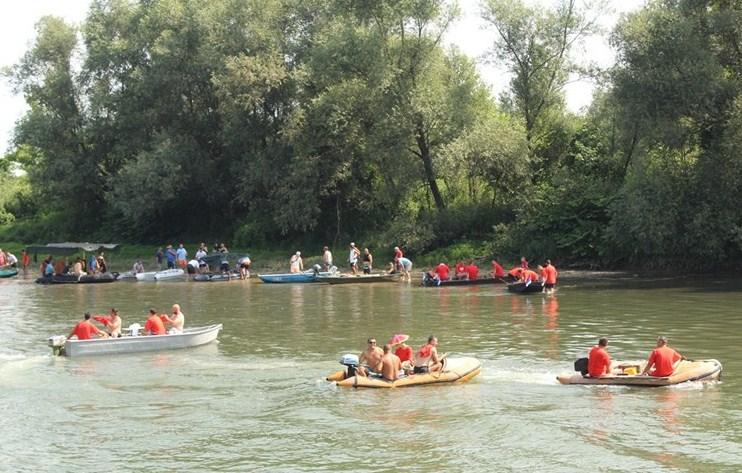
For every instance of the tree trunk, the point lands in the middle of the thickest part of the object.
(422, 144)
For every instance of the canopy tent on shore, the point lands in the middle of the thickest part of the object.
(70, 248)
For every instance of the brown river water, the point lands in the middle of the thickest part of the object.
(257, 399)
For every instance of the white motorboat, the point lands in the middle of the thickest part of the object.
(169, 274)
(146, 276)
(191, 337)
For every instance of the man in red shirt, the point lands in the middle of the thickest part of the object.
(84, 330)
(497, 270)
(460, 271)
(663, 358)
(515, 273)
(154, 325)
(599, 361)
(550, 277)
(442, 271)
(472, 271)
(403, 351)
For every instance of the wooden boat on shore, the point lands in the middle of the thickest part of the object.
(72, 279)
(191, 337)
(523, 288)
(687, 370)
(455, 370)
(431, 282)
(8, 272)
(359, 279)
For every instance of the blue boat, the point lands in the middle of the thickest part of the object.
(288, 278)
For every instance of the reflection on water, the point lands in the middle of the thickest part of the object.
(257, 399)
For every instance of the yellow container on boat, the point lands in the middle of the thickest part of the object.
(631, 370)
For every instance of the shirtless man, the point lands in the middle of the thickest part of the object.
(426, 358)
(77, 268)
(390, 364)
(111, 322)
(370, 360)
(177, 320)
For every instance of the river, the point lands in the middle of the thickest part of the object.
(257, 400)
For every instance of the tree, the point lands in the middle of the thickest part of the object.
(535, 43)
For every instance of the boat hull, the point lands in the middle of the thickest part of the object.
(456, 370)
(213, 277)
(687, 370)
(283, 278)
(521, 288)
(360, 279)
(191, 337)
(8, 273)
(169, 274)
(428, 282)
(72, 279)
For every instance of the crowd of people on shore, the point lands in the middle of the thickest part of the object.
(403, 361)
(198, 264)
(359, 262)
(111, 324)
(92, 265)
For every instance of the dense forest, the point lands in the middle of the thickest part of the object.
(270, 121)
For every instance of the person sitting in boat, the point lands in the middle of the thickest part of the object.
(77, 268)
(177, 320)
(497, 270)
(296, 265)
(426, 358)
(441, 272)
(138, 267)
(49, 268)
(598, 360)
(111, 322)
(472, 271)
(370, 360)
(368, 261)
(154, 325)
(11, 261)
(390, 364)
(460, 271)
(663, 360)
(403, 351)
(405, 266)
(244, 265)
(84, 330)
(102, 265)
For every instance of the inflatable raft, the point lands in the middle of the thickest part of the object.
(687, 370)
(455, 370)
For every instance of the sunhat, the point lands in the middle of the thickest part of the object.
(399, 339)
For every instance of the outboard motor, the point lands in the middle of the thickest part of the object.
(351, 364)
(581, 365)
(57, 344)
